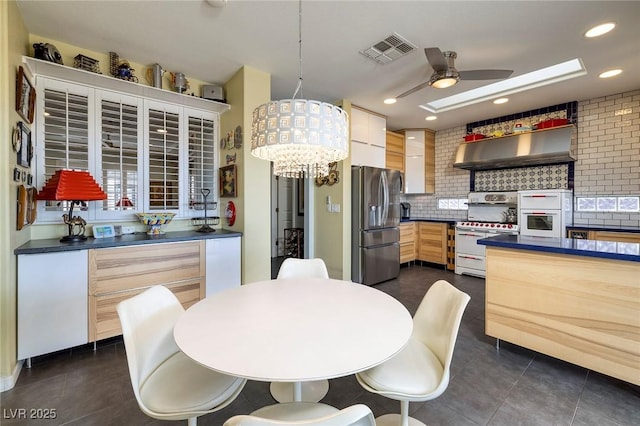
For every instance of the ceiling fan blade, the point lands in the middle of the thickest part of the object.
(436, 59)
(415, 89)
(485, 74)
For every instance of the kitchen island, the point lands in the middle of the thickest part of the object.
(576, 300)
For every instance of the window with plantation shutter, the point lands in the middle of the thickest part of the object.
(65, 142)
(202, 164)
(147, 153)
(121, 149)
(163, 159)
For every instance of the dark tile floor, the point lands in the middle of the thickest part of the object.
(512, 386)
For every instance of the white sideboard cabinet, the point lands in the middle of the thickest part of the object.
(69, 298)
(52, 302)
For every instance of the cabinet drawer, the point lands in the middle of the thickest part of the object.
(406, 232)
(407, 252)
(104, 321)
(125, 268)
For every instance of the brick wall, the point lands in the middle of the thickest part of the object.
(608, 161)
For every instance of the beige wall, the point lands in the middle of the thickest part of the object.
(13, 44)
(247, 89)
(332, 231)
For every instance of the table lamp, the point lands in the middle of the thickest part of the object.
(77, 187)
(124, 202)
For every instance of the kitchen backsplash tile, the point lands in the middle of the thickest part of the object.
(608, 164)
(539, 177)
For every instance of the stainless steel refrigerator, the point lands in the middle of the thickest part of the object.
(375, 216)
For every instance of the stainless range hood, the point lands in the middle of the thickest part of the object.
(551, 146)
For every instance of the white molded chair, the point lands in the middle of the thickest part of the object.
(307, 414)
(167, 384)
(312, 391)
(310, 268)
(420, 371)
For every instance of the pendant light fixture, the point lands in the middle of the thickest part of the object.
(300, 136)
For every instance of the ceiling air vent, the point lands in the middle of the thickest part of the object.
(391, 48)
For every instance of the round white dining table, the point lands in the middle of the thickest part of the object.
(294, 330)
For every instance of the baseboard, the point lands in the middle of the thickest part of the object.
(8, 382)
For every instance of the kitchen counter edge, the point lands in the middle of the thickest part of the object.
(576, 247)
(427, 219)
(53, 245)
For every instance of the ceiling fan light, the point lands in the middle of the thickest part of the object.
(443, 83)
(444, 78)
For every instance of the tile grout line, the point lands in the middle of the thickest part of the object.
(584, 385)
(511, 388)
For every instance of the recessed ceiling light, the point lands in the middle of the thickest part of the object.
(599, 30)
(430, 117)
(542, 77)
(501, 101)
(390, 101)
(610, 73)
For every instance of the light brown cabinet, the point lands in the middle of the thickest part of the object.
(407, 242)
(621, 237)
(395, 151)
(116, 274)
(433, 242)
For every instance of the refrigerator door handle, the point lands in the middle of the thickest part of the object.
(385, 198)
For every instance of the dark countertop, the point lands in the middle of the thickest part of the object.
(604, 228)
(54, 245)
(590, 248)
(431, 219)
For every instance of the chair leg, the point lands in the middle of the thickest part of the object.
(192, 421)
(404, 413)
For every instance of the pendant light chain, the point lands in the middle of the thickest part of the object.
(299, 86)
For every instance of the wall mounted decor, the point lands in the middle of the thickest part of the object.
(25, 96)
(331, 178)
(25, 151)
(228, 175)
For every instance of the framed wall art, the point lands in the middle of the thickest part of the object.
(25, 148)
(228, 176)
(25, 96)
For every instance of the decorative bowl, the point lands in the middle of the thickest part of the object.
(155, 221)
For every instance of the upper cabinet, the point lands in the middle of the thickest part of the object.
(414, 160)
(419, 161)
(395, 151)
(368, 139)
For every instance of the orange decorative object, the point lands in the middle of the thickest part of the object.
(75, 186)
(71, 185)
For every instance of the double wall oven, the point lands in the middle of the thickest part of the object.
(545, 213)
(489, 214)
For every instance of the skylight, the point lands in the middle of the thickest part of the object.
(542, 77)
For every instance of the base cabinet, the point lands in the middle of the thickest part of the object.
(52, 302)
(118, 273)
(432, 242)
(67, 299)
(407, 242)
(223, 264)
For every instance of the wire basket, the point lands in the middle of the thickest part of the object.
(205, 223)
(86, 63)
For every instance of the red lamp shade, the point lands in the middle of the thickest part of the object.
(71, 185)
(124, 202)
